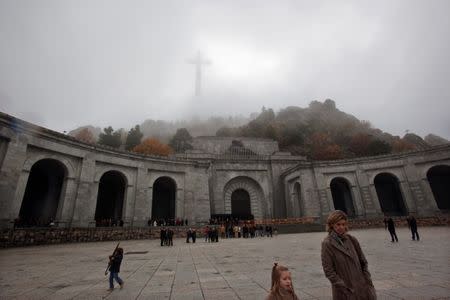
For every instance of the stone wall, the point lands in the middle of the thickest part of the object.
(443, 220)
(409, 170)
(43, 236)
(280, 185)
(219, 145)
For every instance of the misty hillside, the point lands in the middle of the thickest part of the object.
(323, 132)
(164, 130)
(320, 131)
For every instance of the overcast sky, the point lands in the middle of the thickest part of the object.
(69, 63)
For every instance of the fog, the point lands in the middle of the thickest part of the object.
(64, 64)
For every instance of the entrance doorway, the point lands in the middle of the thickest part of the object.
(42, 193)
(342, 196)
(390, 195)
(240, 205)
(439, 179)
(164, 195)
(111, 192)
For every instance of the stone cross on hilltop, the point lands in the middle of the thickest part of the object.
(198, 61)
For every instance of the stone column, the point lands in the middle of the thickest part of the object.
(357, 201)
(375, 208)
(143, 198)
(13, 180)
(128, 205)
(150, 200)
(288, 199)
(427, 205)
(329, 196)
(67, 205)
(179, 203)
(86, 196)
(189, 206)
(326, 204)
(369, 198)
(407, 197)
(20, 193)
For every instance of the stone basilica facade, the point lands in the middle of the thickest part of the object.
(45, 175)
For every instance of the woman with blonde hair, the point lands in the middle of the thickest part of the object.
(344, 263)
(281, 288)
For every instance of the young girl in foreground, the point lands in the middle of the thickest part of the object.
(282, 288)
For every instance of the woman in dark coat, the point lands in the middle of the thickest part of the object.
(344, 263)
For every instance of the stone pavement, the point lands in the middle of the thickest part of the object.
(230, 269)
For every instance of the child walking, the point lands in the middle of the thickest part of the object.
(114, 269)
(282, 288)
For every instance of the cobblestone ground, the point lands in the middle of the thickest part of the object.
(230, 269)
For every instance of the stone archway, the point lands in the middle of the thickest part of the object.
(390, 195)
(254, 191)
(439, 179)
(42, 193)
(342, 196)
(164, 196)
(110, 198)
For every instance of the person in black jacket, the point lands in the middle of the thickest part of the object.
(163, 236)
(390, 226)
(412, 223)
(170, 237)
(114, 269)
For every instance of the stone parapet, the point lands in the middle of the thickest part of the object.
(44, 236)
(443, 220)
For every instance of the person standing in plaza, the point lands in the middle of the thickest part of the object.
(162, 236)
(390, 226)
(188, 235)
(344, 263)
(169, 237)
(412, 223)
(281, 287)
(114, 269)
(194, 235)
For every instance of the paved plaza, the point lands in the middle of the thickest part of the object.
(230, 269)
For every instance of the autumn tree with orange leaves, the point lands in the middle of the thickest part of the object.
(323, 148)
(401, 145)
(85, 135)
(152, 146)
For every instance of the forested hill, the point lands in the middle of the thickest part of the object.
(323, 132)
(320, 132)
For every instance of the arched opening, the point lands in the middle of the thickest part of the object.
(439, 179)
(342, 196)
(164, 195)
(42, 193)
(111, 192)
(298, 198)
(257, 207)
(240, 205)
(389, 195)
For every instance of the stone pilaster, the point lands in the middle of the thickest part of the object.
(13, 180)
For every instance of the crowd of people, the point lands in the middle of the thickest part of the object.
(33, 222)
(229, 227)
(191, 234)
(166, 237)
(167, 222)
(109, 222)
